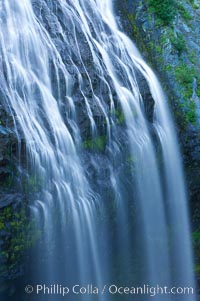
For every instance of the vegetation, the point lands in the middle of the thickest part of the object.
(196, 244)
(98, 143)
(33, 183)
(119, 116)
(183, 11)
(165, 10)
(21, 234)
(185, 76)
(178, 42)
(194, 5)
(173, 40)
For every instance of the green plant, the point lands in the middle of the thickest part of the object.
(185, 76)
(178, 42)
(194, 5)
(119, 116)
(20, 234)
(196, 245)
(98, 143)
(33, 183)
(183, 11)
(192, 56)
(191, 112)
(198, 85)
(165, 10)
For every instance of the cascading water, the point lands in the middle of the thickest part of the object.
(111, 208)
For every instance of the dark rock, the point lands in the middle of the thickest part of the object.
(10, 199)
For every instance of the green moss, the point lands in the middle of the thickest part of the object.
(191, 112)
(196, 245)
(196, 237)
(33, 183)
(158, 49)
(185, 76)
(198, 86)
(165, 10)
(20, 234)
(183, 11)
(192, 56)
(130, 164)
(179, 43)
(177, 40)
(98, 143)
(197, 269)
(194, 5)
(119, 116)
(169, 68)
(9, 179)
(163, 39)
(131, 17)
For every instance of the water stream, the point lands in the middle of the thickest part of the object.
(111, 205)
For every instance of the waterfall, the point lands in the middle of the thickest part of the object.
(111, 205)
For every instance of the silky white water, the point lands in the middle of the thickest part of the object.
(111, 211)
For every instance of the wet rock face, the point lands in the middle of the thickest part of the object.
(14, 242)
(147, 97)
(11, 197)
(85, 80)
(173, 51)
(85, 75)
(8, 152)
(12, 153)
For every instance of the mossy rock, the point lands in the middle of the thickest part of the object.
(19, 233)
(97, 144)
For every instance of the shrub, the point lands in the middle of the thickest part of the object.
(165, 10)
(178, 42)
(184, 13)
